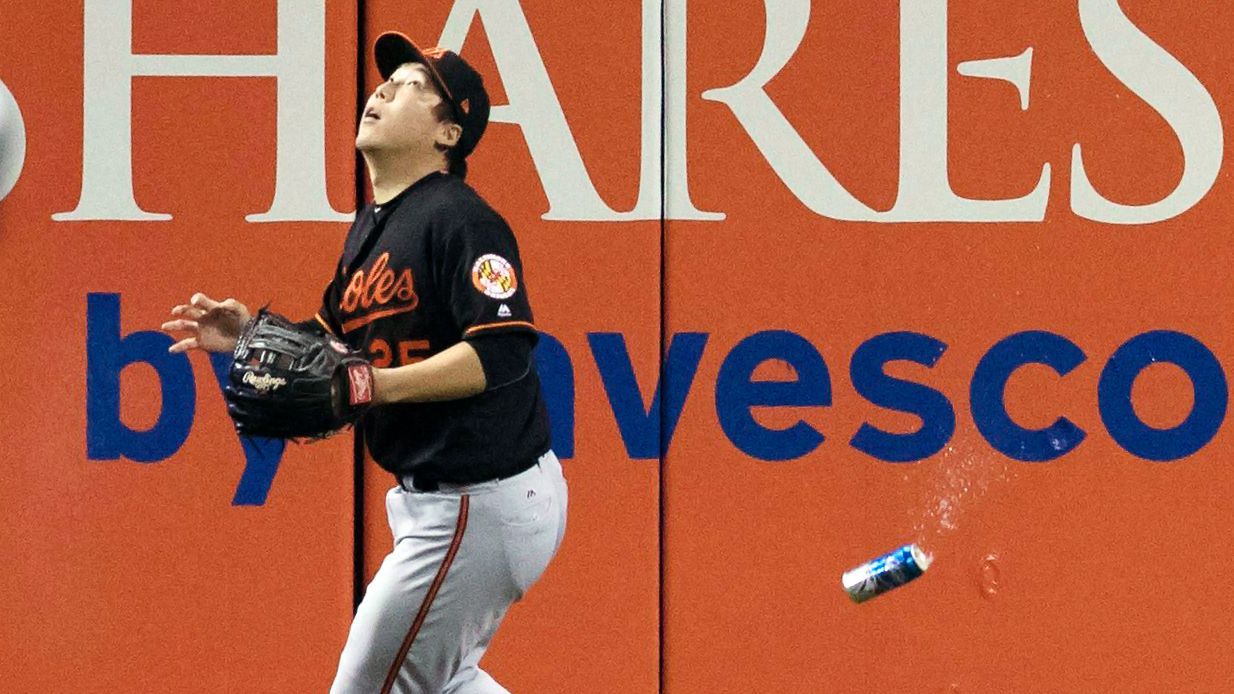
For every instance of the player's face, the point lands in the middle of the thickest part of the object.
(401, 114)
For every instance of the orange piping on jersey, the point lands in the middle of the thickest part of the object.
(506, 324)
(366, 319)
(324, 324)
(459, 529)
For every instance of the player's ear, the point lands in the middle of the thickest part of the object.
(448, 134)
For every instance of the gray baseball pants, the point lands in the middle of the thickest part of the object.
(462, 555)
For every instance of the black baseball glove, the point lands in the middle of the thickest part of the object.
(291, 383)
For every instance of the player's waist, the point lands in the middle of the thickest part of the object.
(423, 481)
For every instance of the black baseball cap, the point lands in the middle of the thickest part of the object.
(458, 81)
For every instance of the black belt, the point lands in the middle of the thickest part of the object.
(417, 485)
(430, 483)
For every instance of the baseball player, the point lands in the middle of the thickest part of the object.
(430, 289)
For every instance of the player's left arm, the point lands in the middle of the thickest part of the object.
(453, 373)
(468, 368)
(481, 272)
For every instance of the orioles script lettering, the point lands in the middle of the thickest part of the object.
(370, 292)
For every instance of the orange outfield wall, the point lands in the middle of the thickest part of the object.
(145, 576)
(1095, 570)
(821, 160)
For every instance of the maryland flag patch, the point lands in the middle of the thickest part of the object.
(494, 277)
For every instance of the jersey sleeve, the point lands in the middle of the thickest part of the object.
(480, 268)
(505, 357)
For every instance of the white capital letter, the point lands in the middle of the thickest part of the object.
(925, 193)
(780, 144)
(925, 188)
(12, 141)
(1171, 90)
(533, 107)
(110, 65)
(672, 123)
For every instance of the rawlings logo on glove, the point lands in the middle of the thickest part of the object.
(291, 383)
(264, 382)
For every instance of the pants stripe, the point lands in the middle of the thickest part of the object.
(460, 527)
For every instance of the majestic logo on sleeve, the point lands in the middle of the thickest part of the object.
(377, 292)
(494, 277)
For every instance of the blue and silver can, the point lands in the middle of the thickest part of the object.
(889, 571)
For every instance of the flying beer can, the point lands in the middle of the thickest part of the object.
(880, 575)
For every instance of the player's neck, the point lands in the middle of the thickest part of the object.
(393, 172)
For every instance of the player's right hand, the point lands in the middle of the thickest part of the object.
(212, 325)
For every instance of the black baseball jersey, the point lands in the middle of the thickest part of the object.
(431, 267)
